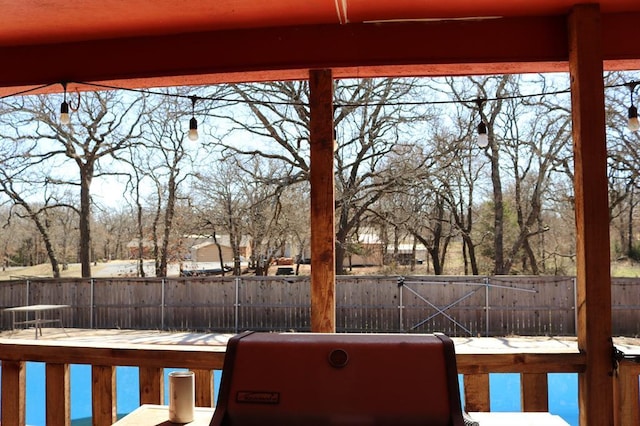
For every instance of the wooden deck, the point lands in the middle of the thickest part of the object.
(153, 351)
(464, 346)
(116, 337)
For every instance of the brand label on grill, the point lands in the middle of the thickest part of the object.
(258, 397)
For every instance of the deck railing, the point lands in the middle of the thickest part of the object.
(627, 410)
(152, 359)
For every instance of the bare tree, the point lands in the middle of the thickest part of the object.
(623, 149)
(103, 124)
(371, 122)
(222, 206)
(169, 165)
(25, 181)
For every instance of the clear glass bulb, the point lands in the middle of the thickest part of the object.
(633, 119)
(483, 137)
(483, 140)
(64, 113)
(193, 129)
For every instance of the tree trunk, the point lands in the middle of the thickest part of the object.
(532, 257)
(498, 210)
(630, 251)
(168, 223)
(86, 176)
(341, 241)
(219, 247)
(140, 242)
(471, 250)
(55, 266)
(154, 232)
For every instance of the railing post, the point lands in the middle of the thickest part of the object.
(627, 408)
(204, 388)
(103, 396)
(476, 392)
(151, 385)
(57, 395)
(13, 401)
(534, 392)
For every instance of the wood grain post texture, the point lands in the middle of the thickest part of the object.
(204, 388)
(103, 396)
(595, 385)
(476, 392)
(534, 392)
(323, 275)
(58, 395)
(151, 385)
(627, 411)
(13, 393)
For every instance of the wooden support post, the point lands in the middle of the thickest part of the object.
(595, 385)
(103, 396)
(476, 392)
(151, 385)
(204, 388)
(534, 391)
(58, 395)
(323, 275)
(13, 393)
(627, 412)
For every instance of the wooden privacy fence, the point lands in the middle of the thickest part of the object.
(457, 306)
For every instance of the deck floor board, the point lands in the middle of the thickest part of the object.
(474, 345)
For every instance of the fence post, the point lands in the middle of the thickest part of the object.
(91, 304)
(486, 306)
(400, 302)
(162, 304)
(28, 284)
(236, 303)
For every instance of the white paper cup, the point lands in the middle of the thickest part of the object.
(181, 396)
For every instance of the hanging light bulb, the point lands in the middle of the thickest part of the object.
(483, 137)
(193, 123)
(64, 113)
(64, 107)
(193, 129)
(633, 123)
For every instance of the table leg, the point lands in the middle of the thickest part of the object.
(37, 317)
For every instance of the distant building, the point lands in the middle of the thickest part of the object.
(368, 251)
(206, 249)
(405, 253)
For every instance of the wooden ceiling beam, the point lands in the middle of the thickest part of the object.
(491, 46)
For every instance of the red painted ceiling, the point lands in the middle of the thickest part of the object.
(53, 21)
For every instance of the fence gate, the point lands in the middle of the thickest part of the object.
(465, 305)
(448, 318)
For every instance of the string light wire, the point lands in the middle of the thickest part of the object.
(470, 102)
(271, 102)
